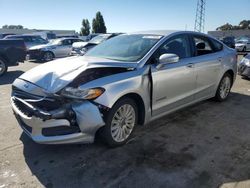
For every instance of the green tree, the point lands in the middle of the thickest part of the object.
(12, 27)
(98, 24)
(244, 24)
(85, 29)
(225, 27)
(5, 27)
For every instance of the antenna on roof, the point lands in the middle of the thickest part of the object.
(200, 16)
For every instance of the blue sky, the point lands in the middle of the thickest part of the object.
(121, 15)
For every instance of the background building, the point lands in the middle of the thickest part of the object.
(227, 33)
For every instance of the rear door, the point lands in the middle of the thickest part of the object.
(64, 48)
(208, 64)
(173, 84)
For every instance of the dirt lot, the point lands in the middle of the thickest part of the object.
(204, 145)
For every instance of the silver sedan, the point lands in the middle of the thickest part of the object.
(56, 48)
(125, 81)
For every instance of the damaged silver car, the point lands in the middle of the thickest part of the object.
(128, 80)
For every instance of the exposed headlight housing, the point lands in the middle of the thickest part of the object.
(78, 93)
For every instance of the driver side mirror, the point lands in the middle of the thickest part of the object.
(167, 59)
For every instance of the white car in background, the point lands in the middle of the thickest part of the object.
(56, 48)
(242, 45)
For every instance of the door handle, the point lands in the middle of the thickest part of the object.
(190, 65)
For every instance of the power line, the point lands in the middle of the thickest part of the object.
(200, 16)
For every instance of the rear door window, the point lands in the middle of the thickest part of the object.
(203, 45)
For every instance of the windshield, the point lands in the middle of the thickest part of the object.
(128, 48)
(55, 41)
(98, 39)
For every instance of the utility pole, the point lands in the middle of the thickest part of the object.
(200, 16)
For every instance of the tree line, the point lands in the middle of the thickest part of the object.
(244, 24)
(98, 25)
(13, 27)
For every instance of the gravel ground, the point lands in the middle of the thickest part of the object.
(204, 145)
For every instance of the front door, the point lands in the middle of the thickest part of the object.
(173, 84)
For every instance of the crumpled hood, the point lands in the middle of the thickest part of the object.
(40, 46)
(55, 75)
(79, 44)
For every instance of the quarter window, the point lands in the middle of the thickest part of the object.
(217, 46)
(178, 45)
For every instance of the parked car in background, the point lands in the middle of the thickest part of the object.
(92, 35)
(11, 52)
(127, 80)
(243, 45)
(46, 35)
(2, 35)
(244, 66)
(229, 41)
(66, 36)
(55, 48)
(29, 40)
(80, 48)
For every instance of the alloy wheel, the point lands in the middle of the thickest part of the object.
(48, 56)
(2, 67)
(123, 122)
(225, 87)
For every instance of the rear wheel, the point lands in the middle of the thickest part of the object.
(120, 122)
(3, 67)
(48, 56)
(224, 88)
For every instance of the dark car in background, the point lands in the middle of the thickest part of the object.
(229, 41)
(11, 52)
(80, 48)
(2, 35)
(29, 40)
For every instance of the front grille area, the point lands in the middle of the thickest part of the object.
(44, 103)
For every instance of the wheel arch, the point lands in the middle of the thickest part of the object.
(231, 73)
(140, 104)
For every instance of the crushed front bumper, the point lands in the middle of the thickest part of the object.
(55, 127)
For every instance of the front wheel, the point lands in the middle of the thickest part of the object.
(3, 67)
(120, 122)
(48, 56)
(224, 88)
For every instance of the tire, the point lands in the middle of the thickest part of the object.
(244, 49)
(3, 67)
(48, 56)
(224, 88)
(118, 130)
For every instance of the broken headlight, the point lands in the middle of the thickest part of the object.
(78, 93)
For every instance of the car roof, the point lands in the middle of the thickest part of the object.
(165, 32)
(63, 38)
(24, 35)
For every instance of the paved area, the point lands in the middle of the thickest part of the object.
(205, 145)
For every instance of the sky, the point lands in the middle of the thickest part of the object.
(121, 15)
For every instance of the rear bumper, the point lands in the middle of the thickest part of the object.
(56, 128)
